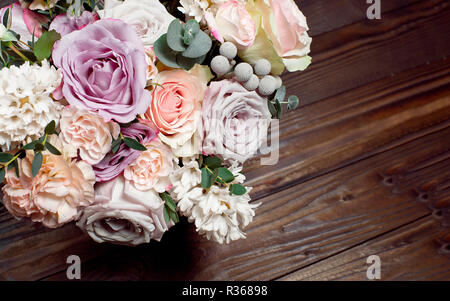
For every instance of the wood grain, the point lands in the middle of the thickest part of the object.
(364, 168)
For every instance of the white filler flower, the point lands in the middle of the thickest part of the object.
(25, 103)
(217, 214)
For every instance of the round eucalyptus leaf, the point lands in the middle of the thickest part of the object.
(200, 46)
(175, 34)
(164, 53)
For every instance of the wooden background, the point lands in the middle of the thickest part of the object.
(364, 170)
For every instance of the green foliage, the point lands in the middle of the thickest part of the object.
(8, 161)
(44, 45)
(134, 144)
(275, 105)
(170, 208)
(293, 102)
(183, 46)
(213, 172)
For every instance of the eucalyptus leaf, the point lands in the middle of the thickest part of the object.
(5, 157)
(192, 26)
(164, 53)
(272, 109)
(206, 181)
(281, 94)
(238, 189)
(185, 63)
(225, 175)
(39, 147)
(279, 109)
(200, 46)
(2, 175)
(44, 45)
(50, 128)
(293, 102)
(52, 149)
(175, 34)
(37, 164)
(115, 145)
(213, 162)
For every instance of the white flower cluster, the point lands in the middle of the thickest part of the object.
(197, 8)
(217, 214)
(25, 103)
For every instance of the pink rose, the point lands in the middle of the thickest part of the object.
(234, 121)
(124, 215)
(235, 24)
(88, 132)
(104, 69)
(55, 195)
(152, 168)
(176, 106)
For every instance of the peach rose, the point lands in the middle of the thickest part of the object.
(54, 196)
(235, 24)
(152, 168)
(176, 106)
(88, 132)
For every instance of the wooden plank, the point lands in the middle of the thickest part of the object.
(374, 86)
(295, 227)
(408, 253)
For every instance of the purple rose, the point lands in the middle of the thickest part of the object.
(65, 24)
(104, 69)
(113, 165)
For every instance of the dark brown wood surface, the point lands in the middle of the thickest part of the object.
(364, 170)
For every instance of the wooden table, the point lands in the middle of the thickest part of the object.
(364, 170)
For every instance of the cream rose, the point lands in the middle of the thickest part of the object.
(151, 170)
(149, 18)
(124, 215)
(56, 193)
(282, 36)
(176, 106)
(235, 24)
(88, 132)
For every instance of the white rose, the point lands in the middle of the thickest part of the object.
(149, 18)
(121, 214)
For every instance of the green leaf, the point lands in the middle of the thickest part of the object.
(37, 163)
(5, 157)
(279, 109)
(169, 201)
(2, 175)
(5, 17)
(213, 162)
(293, 102)
(50, 128)
(174, 217)
(9, 36)
(175, 36)
(281, 94)
(164, 53)
(39, 147)
(200, 46)
(166, 214)
(192, 26)
(134, 144)
(16, 167)
(238, 189)
(44, 45)
(272, 109)
(52, 149)
(115, 145)
(184, 62)
(225, 175)
(206, 179)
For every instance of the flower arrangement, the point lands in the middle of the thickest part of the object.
(125, 115)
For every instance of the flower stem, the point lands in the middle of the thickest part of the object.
(13, 48)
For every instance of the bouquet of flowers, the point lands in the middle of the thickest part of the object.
(124, 115)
